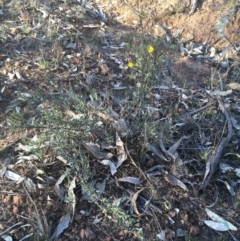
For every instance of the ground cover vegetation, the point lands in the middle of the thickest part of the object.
(105, 135)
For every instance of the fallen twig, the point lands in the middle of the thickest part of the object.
(199, 110)
(214, 159)
(138, 168)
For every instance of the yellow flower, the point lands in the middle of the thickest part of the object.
(130, 64)
(150, 49)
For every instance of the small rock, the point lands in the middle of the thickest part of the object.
(170, 234)
(194, 230)
(16, 64)
(77, 217)
(17, 236)
(137, 225)
(89, 234)
(159, 31)
(189, 36)
(181, 233)
(185, 218)
(67, 234)
(50, 203)
(82, 233)
(123, 232)
(150, 163)
(75, 60)
(172, 214)
(104, 69)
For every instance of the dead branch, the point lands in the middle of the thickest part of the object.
(212, 163)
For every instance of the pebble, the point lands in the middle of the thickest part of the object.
(77, 217)
(195, 230)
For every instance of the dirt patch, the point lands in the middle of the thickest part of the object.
(189, 71)
(200, 26)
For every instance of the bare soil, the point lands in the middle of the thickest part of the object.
(201, 25)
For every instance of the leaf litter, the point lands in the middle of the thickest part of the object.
(218, 223)
(165, 180)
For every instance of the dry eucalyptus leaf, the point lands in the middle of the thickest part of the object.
(156, 151)
(101, 186)
(221, 93)
(13, 176)
(73, 115)
(218, 226)
(181, 233)
(225, 167)
(110, 164)
(132, 180)
(121, 154)
(237, 171)
(161, 236)
(3, 166)
(26, 236)
(165, 151)
(31, 187)
(97, 220)
(13, 104)
(11, 75)
(28, 158)
(121, 126)
(174, 181)
(219, 219)
(59, 190)
(161, 87)
(96, 151)
(116, 87)
(92, 26)
(104, 116)
(71, 46)
(234, 86)
(71, 195)
(18, 75)
(63, 160)
(235, 123)
(42, 186)
(6, 238)
(229, 188)
(175, 146)
(134, 201)
(10, 228)
(63, 224)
